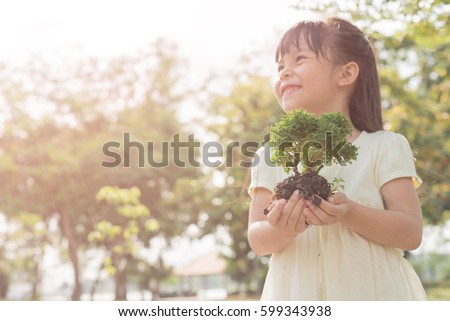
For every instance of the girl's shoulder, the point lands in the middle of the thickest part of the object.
(383, 138)
(383, 145)
(391, 156)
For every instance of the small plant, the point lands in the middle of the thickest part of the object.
(302, 138)
(337, 184)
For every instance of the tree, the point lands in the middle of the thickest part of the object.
(302, 138)
(119, 234)
(30, 239)
(52, 162)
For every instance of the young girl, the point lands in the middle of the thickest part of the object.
(350, 247)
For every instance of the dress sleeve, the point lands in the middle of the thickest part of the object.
(395, 159)
(263, 172)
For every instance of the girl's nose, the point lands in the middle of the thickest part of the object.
(284, 73)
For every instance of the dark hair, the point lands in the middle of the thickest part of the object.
(341, 42)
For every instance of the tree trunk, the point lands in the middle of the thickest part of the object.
(96, 282)
(36, 279)
(4, 277)
(120, 277)
(4, 285)
(69, 234)
(156, 293)
(121, 286)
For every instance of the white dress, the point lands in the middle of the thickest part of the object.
(333, 262)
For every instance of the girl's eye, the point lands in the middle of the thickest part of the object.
(299, 58)
(280, 68)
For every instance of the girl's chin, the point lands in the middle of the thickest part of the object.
(290, 108)
(309, 110)
(291, 104)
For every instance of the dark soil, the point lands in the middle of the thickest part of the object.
(309, 184)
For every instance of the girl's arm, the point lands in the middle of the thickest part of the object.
(399, 224)
(271, 233)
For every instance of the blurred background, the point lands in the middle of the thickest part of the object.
(76, 75)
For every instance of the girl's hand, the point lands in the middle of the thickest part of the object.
(287, 216)
(328, 212)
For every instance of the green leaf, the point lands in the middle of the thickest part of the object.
(111, 270)
(152, 225)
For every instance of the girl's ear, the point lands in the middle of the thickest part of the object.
(349, 74)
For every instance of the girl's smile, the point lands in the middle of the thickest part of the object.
(286, 89)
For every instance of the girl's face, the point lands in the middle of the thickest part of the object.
(306, 81)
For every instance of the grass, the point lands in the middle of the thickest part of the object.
(435, 292)
(439, 291)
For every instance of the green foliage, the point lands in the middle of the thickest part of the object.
(337, 184)
(122, 241)
(51, 164)
(127, 204)
(432, 267)
(117, 196)
(28, 237)
(301, 137)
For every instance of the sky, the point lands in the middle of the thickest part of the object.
(204, 29)
(211, 35)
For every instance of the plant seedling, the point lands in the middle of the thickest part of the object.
(313, 142)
